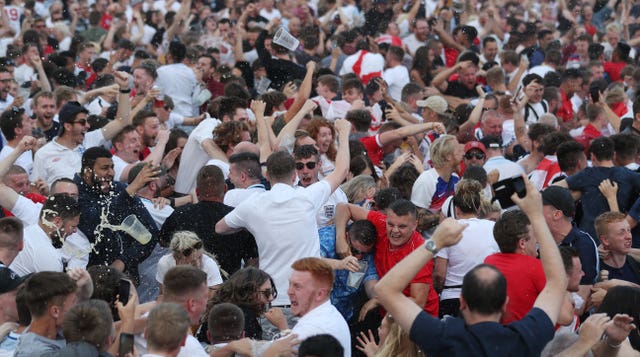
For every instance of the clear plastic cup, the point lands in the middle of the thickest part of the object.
(133, 227)
(285, 39)
(355, 278)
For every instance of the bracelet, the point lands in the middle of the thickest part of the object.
(610, 345)
(172, 202)
(125, 91)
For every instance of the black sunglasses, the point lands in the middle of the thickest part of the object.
(187, 252)
(310, 165)
(82, 122)
(478, 156)
(355, 251)
(268, 293)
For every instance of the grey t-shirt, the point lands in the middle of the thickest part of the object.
(31, 344)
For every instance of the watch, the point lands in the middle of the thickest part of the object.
(430, 245)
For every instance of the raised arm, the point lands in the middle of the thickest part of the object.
(440, 81)
(343, 129)
(291, 127)
(551, 297)
(389, 136)
(124, 108)
(389, 289)
(264, 141)
(344, 213)
(9, 197)
(303, 92)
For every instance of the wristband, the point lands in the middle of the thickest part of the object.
(125, 91)
(172, 202)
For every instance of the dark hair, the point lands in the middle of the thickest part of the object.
(477, 173)
(360, 118)
(225, 322)
(537, 131)
(626, 146)
(91, 155)
(484, 289)
(174, 136)
(602, 148)
(551, 141)
(509, 229)
(178, 51)
(404, 178)
(59, 205)
(305, 152)
(323, 345)
(242, 289)
(403, 207)
(229, 133)
(229, 105)
(248, 163)
(47, 288)
(106, 281)
(210, 182)
(396, 52)
(386, 197)
(623, 300)
(11, 234)
(569, 154)
(280, 166)
(11, 119)
(24, 315)
(363, 231)
(90, 322)
(181, 281)
(568, 253)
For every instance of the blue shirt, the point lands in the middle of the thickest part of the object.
(342, 295)
(588, 252)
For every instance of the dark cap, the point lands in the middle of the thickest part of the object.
(560, 198)
(9, 280)
(492, 142)
(133, 173)
(69, 111)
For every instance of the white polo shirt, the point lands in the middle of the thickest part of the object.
(54, 161)
(193, 156)
(283, 222)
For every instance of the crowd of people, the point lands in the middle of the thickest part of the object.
(319, 178)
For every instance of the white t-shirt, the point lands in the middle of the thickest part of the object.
(118, 167)
(327, 211)
(283, 222)
(38, 253)
(224, 166)
(476, 244)
(324, 319)
(25, 160)
(396, 77)
(505, 167)
(194, 157)
(97, 106)
(235, 196)
(179, 81)
(209, 266)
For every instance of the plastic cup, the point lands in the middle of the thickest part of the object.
(133, 227)
(262, 85)
(286, 40)
(355, 278)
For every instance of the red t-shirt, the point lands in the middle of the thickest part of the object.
(525, 280)
(565, 112)
(614, 68)
(374, 149)
(386, 258)
(451, 56)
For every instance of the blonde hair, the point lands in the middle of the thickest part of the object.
(182, 240)
(398, 342)
(356, 189)
(442, 147)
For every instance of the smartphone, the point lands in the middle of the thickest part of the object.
(505, 188)
(124, 290)
(594, 91)
(126, 344)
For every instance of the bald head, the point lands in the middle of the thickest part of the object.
(246, 146)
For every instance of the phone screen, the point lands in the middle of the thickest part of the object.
(126, 344)
(123, 291)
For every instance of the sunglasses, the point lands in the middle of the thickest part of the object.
(355, 251)
(82, 122)
(477, 156)
(187, 252)
(310, 165)
(268, 293)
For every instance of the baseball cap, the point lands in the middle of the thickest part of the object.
(9, 280)
(435, 102)
(69, 111)
(560, 198)
(474, 145)
(491, 142)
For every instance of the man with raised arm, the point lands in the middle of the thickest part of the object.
(483, 298)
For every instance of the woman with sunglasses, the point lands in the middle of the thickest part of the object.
(186, 249)
(252, 290)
